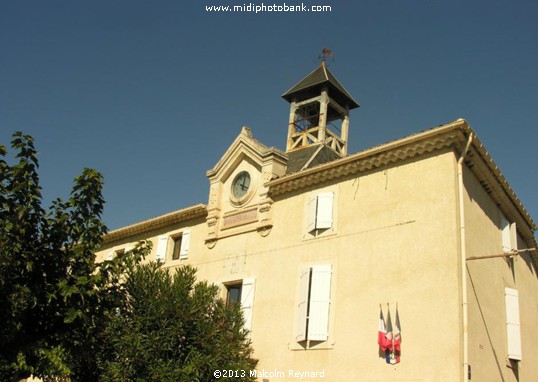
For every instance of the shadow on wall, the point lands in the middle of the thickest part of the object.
(514, 366)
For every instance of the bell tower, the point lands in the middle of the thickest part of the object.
(319, 112)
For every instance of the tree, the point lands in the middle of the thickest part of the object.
(65, 316)
(53, 295)
(173, 328)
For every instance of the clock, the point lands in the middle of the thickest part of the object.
(240, 185)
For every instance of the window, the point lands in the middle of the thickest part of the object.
(112, 254)
(513, 330)
(180, 249)
(181, 246)
(242, 292)
(320, 212)
(509, 235)
(177, 247)
(307, 116)
(234, 294)
(314, 302)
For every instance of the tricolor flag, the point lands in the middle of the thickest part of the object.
(388, 339)
(381, 331)
(397, 338)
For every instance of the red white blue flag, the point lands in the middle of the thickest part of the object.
(389, 338)
(397, 338)
(382, 331)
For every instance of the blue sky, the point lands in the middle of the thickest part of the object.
(152, 93)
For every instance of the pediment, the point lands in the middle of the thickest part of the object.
(244, 147)
(238, 195)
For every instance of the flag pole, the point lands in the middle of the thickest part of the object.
(392, 342)
(395, 323)
(397, 341)
(391, 348)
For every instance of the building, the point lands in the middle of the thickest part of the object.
(312, 241)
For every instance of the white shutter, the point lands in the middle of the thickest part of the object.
(162, 246)
(324, 217)
(320, 292)
(312, 209)
(513, 330)
(185, 242)
(513, 236)
(110, 255)
(303, 305)
(247, 301)
(505, 230)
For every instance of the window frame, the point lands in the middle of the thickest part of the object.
(166, 244)
(320, 214)
(246, 298)
(176, 249)
(508, 235)
(231, 286)
(314, 307)
(113, 253)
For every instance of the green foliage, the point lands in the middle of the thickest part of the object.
(173, 328)
(53, 295)
(65, 317)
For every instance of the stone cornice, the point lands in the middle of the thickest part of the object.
(157, 222)
(495, 184)
(453, 135)
(417, 144)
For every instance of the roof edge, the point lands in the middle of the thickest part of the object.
(192, 212)
(378, 155)
(460, 123)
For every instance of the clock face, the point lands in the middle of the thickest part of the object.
(241, 184)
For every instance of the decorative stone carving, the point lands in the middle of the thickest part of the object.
(228, 215)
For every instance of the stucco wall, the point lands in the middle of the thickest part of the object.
(393, 241)
(487, 279)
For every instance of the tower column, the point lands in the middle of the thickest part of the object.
(323, 104)
(345, 130)
(291, 125)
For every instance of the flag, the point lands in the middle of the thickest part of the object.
(381, 331)
(388, 333)
(397, 337)
(388, 339)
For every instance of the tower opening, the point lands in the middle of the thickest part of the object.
(319, 112)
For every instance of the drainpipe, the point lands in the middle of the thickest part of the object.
(463, 260)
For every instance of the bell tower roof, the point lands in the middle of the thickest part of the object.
(319, 115)
(312, 85)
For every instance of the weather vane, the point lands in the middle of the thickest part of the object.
(326, 54)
